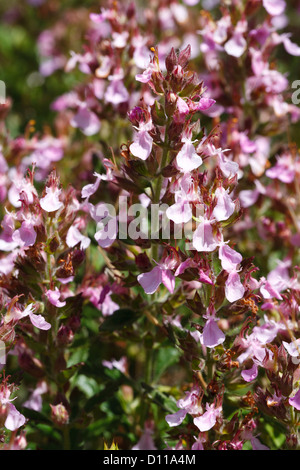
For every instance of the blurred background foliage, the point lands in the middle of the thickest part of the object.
(21, 23)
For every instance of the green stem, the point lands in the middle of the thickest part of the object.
(209, 365)
(158, 186)
(66, 436)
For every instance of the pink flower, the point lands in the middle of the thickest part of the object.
(284, 170)
(187, 158)
(17, 314)
(121, 364)
(107, 234)
(234, 289)
(203, 238)
(51, 202)
(146, 76)
(45, 152)
(34, 401)
(177, 418)
(74, 237)
(295, 401)
(151, 281)
(14, 419)
(225, 206)
(181, 211)
(90, 189)
(107, 305)
(236, 46)
(212, 335)
(293, 349)
(277, 280)
(188, 263)
(53, 297)
(230, 258)
(208, 419)
(142, 144)
(20, 185)
(274, 7)
(228, 167)
(146, 441)
(116, 92)
(25, 235)
(257, 445)
(291, 47)
(189, 404)
(250, 374)
(86, 120)
(203, 104)
(198, 445)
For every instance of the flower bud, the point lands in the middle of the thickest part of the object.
(59, 415)
(292, 441)
(74, 323)
(65, 336)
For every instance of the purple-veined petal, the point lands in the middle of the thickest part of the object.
(268, 291)
(142, 145)
(207, 420)
(250, 374)
(203, 239)
(295, 401)
(50, 202)
(168, 280)
(53, 297)
(151, 281)
(229, 258)
(25, 235)
(187, 158)
(180, 212)
(234, 289)
(205, 103)
(74, 237)
(39, 322)
(212, 335)
(14, 419)
(176, 419)
(225, 206)
(204, 278)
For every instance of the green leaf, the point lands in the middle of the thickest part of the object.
(87, 385)
(168, 404)
(165, 358)
(65, 375)
(105, 394)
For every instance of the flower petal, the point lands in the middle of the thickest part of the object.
(151, 281)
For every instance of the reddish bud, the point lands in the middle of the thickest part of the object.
(59, 415)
